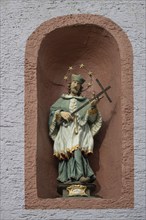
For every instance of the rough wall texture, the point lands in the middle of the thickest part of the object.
(18, 20)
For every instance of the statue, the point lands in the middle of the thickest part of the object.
(72, 128)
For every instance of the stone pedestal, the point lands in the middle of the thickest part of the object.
(76, 189)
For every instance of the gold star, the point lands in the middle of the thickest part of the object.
(90, 73)
(65, 77)
(82, 65)
(89, 84)
(70, 68)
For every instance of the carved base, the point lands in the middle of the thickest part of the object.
(76, 189)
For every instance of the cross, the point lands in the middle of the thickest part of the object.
(103, 91)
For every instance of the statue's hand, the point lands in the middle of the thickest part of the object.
(66, 116)
(94, 103)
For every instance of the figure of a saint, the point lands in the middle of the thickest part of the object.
(73, 135)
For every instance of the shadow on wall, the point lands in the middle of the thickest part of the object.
(98, 51)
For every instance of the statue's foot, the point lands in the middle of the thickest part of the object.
(92, 179)
(67, 182)
(84, 179)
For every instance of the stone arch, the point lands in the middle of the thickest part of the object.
(104, 48)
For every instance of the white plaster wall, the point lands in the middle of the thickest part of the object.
(19, 18)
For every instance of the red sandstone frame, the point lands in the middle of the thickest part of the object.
(44, 62)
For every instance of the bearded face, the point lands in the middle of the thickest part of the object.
(75, 87)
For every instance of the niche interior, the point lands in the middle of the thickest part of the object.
(105, 50)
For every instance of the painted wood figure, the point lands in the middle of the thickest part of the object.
(73, 133)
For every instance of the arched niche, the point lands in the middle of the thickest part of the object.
(104, 49)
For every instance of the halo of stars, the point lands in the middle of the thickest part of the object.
(81, 66)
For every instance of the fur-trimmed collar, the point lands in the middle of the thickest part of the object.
(68, 96)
